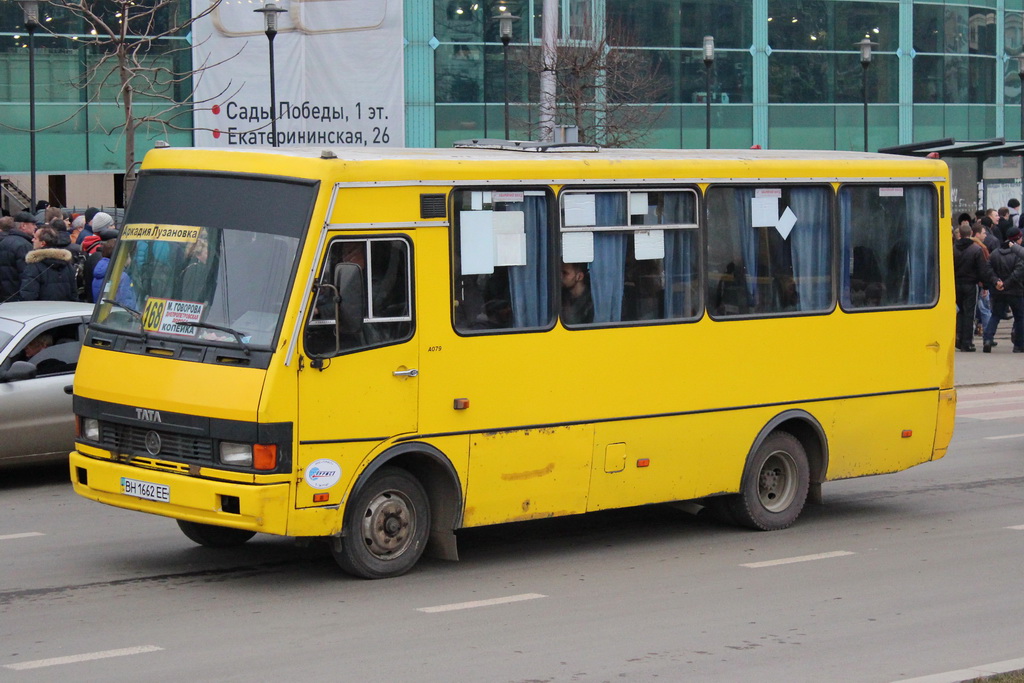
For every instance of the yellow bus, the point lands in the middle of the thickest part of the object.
(381, 347)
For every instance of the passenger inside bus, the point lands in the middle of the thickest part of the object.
(577, 304)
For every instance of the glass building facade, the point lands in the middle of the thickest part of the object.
(786, 74)
(79, 112)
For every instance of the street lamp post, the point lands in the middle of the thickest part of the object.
(270, 12)
(505, 20)
(31, 9)
(1020, 72)
(865, 46)
(709, 61)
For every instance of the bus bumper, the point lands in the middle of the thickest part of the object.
(261, 508)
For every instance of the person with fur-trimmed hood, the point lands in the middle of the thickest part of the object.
(50, 272)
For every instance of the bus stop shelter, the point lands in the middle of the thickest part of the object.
(984, 174)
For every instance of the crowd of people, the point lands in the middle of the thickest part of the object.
(53, 255)
(988, 266)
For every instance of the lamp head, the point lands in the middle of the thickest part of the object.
(865, 46)
(505, 20)
(709, 50)
(270, 12)
(31, 9)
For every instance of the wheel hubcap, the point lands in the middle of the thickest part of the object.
(777, 482)
(388, 525)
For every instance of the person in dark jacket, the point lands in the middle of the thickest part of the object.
(1008, 264)
(969, 268)
(13, 248)
(50, 272)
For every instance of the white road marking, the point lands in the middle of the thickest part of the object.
(89, 656)
(802, 558)
(1000, 415)
(481, 603)
(1004, 436)
(980, 671)
(27, 534)
(1016, 528)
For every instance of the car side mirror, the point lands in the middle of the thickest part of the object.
(19, 370)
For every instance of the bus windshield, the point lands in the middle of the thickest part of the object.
(217, 274)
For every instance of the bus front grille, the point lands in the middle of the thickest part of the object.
(132, 441)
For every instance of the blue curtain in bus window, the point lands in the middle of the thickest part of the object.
(747, 271)
(608, 270)
(919, 245)
(529, 284)
(680, 256)
(810, 244)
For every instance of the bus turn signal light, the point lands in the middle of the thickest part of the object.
(643, 462)
(461, 403)
(321, 497)
(907, 433)
(264, 456)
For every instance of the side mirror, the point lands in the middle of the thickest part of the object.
(18, 371)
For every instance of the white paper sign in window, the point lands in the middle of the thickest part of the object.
(477, 242)
(890, 192)
(509, 238)
(577, 247)
(649, 245)
(786, 222)
(476, 200)
(764, 212)
(515, 197)
(638, 204)
(580, 210)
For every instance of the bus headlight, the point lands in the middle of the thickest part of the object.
(259, 456)
(90, 428)
(239, 454)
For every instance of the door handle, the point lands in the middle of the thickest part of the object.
(406, 373)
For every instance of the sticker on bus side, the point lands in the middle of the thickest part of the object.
(323, 473)
(161, 233)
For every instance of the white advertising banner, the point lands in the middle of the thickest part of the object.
(339, 74)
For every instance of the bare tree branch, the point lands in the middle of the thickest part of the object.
(605, 85)
(134, 65)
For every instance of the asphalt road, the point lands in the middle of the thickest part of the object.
(895, 577)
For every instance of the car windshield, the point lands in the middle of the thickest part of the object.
(8, 328)
(219, 274)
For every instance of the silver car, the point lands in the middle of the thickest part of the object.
(39, 346)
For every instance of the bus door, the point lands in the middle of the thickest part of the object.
(358, 385)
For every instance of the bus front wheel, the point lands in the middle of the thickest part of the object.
(386, 526)
(214, 536)
(775, 484)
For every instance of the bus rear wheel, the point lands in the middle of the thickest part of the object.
(214, 536)
(386, 526)
(775, 484)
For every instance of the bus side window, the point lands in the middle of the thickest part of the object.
(362, 298)
(502, 277)
(769, 250)
(639, 250)
(889, 245)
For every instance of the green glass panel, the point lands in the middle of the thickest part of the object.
(829, 25)
(683, 23)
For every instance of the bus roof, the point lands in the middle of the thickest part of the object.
(394, 163)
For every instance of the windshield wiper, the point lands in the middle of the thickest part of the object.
(135, 314)
(210, 326)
